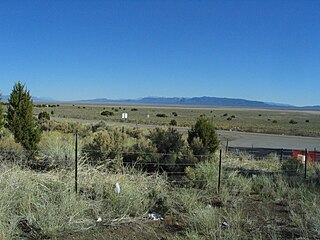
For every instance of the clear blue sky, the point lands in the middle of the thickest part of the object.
(69, 50)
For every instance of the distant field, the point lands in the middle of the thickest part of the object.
(304, 123)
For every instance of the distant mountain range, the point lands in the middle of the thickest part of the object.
(182, 101)
(200, 101)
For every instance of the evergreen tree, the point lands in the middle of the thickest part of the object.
(20, 120)
(205, 131)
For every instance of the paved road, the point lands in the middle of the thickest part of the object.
(239, 139)
(243, 139)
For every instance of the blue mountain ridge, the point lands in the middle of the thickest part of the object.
(183, 101)
(200, 101)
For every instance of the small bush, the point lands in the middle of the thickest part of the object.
(175, 114)
(173, 122)
(293, 122)
(274, 121)
(167, 140)
(161, 115)
(307, 121)
(99, 126)
(44, 115)
(107, 113)
(134, 109)
(169, 143)
(105, 148)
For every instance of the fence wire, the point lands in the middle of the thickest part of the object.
(173, 165)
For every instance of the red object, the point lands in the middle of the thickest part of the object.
(312, 156)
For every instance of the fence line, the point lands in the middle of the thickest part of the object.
(175, 172)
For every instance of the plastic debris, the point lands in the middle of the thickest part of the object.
(155, 216)
(99, 220)
(117, 188)
(225, 224)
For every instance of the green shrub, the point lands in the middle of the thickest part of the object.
(106, 148)
(173, 122)
(101, 125)
(205, 131)
(107, 113)
(204, 175)
(293, 122)
(44, 116)
(169, 145)
(166, 140)
(142, 151)
(161, 115)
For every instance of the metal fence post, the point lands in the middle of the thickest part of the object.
(219, 177)
(76, 163)
(305, 162)
(227, 146)
(251, 151)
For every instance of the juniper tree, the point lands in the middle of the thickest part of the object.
(19, 117)
(205, 131)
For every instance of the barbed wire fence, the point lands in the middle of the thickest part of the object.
(173, 166)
